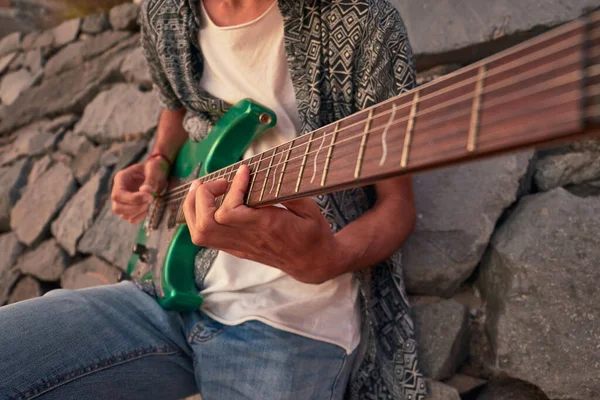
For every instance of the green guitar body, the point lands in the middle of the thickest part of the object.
(168, 254)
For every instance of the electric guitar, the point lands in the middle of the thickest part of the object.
(543, 91)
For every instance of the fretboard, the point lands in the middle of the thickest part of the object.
(542, 91)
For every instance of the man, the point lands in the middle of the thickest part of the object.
(282, 317)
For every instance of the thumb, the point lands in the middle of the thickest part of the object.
(304, 207)
(156, 178)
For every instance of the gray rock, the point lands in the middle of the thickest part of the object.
(26, 288)
(34, 61)
(88, 273)
(10, 43)
(67, 93)
(84, 164)
(39, 168)
(135, 69)
(464, 383)
(63, 122)
(75, 145)
(442, 333)
(108, 117)
(8, 278)
(44, 40)
(457, 209)
(567, 169)
(66, 32)
(75, 54)
(6, 60)
(78, 214)
(34, 140)
(540, 283)
(14, 84)
(95, 23)
(10, 249)
(124, 17)
(17, 62)
(68, 58)
(29, 41)
(440, 391)
(12, 179)
(46, 262)
(110, 238)
(473, 22)
(507, 389)
(31, 216)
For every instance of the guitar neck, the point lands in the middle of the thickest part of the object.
(544, 90)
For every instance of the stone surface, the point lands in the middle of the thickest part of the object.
(26, 288)
(457, 209)
(440, 391)
(110, 238)
(442, 335)
(46, 262)
(29, 40)
(17, 62)
(88, 273)
(109, 116)
(124, 17)
(78, 214)
(75, 145)
(436, 28)
(135, 69)
(31, 216)
(12, 179)
(6, 60)
(66, 32)
(84, 164)
(33, 140)
(95, 23)
(567, 169)
(39, 167)
(76, 53)
(10, 249)
(464, 383)
(507, 389)
(63, 122)
(33, 61)
(14, 84)
(127, 154)
(67, 93)
(10, 43)
(68, 58)
(540, 284)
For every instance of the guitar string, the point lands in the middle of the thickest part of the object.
(554, 104)
(499, 102)
(542, 86)
(503, 68)
(430, 109)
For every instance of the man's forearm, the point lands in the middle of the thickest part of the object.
(170, 135)
(382, 230)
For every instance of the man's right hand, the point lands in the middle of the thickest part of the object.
(135, 187)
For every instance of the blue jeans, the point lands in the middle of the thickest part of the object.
(116, 342)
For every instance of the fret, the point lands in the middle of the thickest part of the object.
(363, 144)
(256, 169)
(285, 163)
(330, 153)
(410, 127)
(308, 143)
(262, 191)
(476, 111)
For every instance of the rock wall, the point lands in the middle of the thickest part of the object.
(502, 267)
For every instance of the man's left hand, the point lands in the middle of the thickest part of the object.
(296, 239)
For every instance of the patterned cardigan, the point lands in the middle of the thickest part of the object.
(343, 56)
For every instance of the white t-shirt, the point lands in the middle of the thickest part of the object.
(249, 60)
